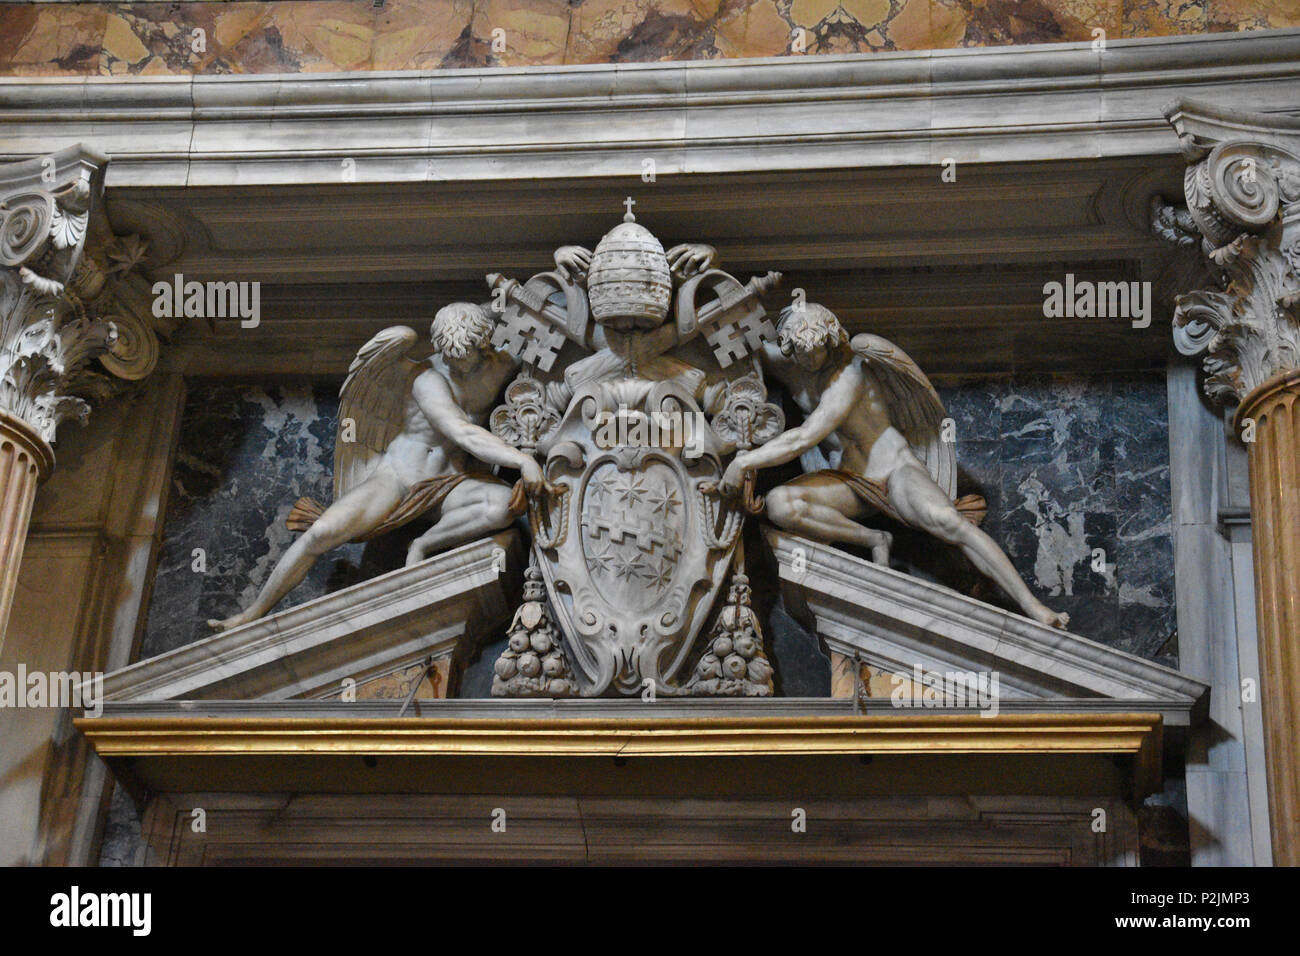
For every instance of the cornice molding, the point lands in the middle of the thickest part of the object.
(1040, 102)
(1135, 735)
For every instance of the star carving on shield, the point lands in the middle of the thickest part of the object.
(664, 501)
(631, 567)
(662, 576)
(630, 489)
(603, 560)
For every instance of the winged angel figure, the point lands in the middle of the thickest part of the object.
(870, 442)
(418, 447)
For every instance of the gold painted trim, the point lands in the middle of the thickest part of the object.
(1137, 735)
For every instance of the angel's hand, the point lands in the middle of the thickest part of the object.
(691, 258)
(733, 478)
(531, 473)
(572, 262)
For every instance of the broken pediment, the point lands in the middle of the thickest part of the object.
(380, 633)
(372, 634)
(273, 687)
(892, 623)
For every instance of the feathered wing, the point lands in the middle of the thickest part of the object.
(914, 407)
(373, 398)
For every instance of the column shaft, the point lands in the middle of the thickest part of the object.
(1275, 519)
(25, 461)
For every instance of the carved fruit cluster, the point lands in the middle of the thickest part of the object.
(734, 665)
(533, 663)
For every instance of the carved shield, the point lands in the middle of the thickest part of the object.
(636, 546)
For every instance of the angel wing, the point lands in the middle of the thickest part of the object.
(373, 400)
(914, 407)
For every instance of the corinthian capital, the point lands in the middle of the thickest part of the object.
(74, 317)
(1243, 193)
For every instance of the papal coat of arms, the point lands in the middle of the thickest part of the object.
(629, 389)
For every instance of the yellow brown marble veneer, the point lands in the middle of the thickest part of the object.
(25, 461)
(1274, 407)
(304, 36)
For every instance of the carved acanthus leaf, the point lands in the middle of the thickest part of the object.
(1243, 191)
(71, 216)
(68, 293)
(1249, 333)
(1173, 224)
(46, 355)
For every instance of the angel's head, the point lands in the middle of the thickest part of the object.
(810, 334)
(461, 331)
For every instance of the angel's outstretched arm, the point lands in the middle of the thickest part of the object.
(439, 406)
(836, 403)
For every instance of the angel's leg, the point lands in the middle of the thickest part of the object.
(922, 504)
(361, 509)
(472, 509)
(826, 509)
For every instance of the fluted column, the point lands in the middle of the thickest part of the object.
(1275, 528)
(1243, 194)
(25, 461)
(74, 320)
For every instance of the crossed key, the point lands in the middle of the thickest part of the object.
(533, 328)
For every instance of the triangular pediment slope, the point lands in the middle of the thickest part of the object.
(370, 629)
(896, 622)
(875, 615)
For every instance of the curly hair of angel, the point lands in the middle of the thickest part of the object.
(460, 328)
(808, 327)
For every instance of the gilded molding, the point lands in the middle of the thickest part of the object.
(1135, 735)
(753, 736)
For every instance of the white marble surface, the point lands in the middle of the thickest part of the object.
(367, 629)
(1227, 798)
(1021, 103)
(892, 621)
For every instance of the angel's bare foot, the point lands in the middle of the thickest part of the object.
(1045, 615)
(881, 544)
(235, 620)
(414, 554)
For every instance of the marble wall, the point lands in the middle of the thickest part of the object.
(247, 453)
(1076, 472)
(292, 36)
(1069, 465)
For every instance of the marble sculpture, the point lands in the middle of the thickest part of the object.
(628, 387)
